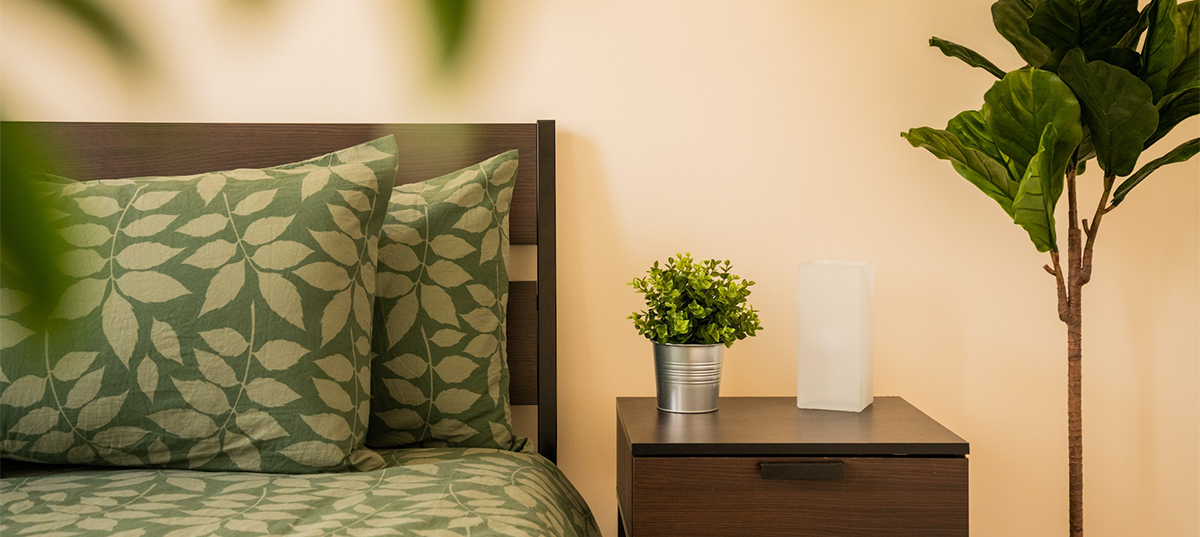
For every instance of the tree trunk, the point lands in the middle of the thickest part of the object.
(1075, 412)
(1070, 311)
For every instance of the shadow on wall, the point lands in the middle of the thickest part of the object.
(592, 261)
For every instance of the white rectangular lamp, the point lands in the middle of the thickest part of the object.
(833, 369)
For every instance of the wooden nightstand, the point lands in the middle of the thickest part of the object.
(760, 466)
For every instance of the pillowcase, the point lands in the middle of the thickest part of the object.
(441, 374)
(219, 321)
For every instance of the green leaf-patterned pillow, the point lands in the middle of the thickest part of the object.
(219, 321)
(440, 377)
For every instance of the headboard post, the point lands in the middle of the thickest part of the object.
(547, 311)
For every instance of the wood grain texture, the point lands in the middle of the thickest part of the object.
(726, 496)
(86, 151)
(522, 333)
(762, 426)
(624, 476)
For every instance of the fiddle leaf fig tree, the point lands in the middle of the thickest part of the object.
(1101, 80)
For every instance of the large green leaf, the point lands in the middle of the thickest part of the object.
(1092, 25)
(976, 166)
(1011, 18)
(1040, 189)
(1158, 52)
(1132, 37)
(1172, 110)
(1124, 58)
(1018, 109)
(1182, 153)
(968, 56)
(971, 129)
(1185, 75)
(1187, 30)
(1118, 108)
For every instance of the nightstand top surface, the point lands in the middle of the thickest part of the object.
(763, 426)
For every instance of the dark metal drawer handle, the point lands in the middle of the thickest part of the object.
(804, 470)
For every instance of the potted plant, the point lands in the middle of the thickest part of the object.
(695, 309)
(1101, 81)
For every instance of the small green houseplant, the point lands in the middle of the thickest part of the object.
(695, 309)
(1102, 80)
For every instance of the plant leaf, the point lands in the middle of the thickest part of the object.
(313, 453)
(968, 56)
(224, 287)
(1158, 51)
(334, 318)
(1092, 25)
(215, 369)
(281, 255)
(184, 423)
(282, 297)
(259, 425)
(204, 226)
(74, 364)
(144, 255)
(1011, 19)
(212, 255)
(1182, 153)
(270, 393)
(340, 247)
(333, 395)
(81, 298)
(437, 303)
(401, 318)
(975, 166)
(1187, 31)
(266, 229)
(150, 287)
(1018, 110)
(331, 426)
(1039, 193)
(1172, 110)
(1117, 107)
(203, 396)
(120, 326)
(165, 341)
(1185, 74)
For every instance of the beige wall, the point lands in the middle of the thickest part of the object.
(764, 132)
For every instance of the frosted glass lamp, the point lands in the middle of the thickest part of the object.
(833, 369)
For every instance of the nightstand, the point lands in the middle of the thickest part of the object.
(760, 466)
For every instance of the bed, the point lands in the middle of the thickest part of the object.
(435, 486)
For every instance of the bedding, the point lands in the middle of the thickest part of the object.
(437, 492)
(219, 321)
(441, 376)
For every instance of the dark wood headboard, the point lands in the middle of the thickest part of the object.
(88, 151)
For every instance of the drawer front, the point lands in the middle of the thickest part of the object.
(799, 497)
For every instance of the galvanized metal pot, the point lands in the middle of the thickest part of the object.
(688, 377)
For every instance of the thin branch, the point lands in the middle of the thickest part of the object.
(1064, 301)
(1085, 273)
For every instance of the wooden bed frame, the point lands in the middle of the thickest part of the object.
(88, 151)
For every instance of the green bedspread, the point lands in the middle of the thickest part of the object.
(439, 492)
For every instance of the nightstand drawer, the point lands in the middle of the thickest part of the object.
(799, 496)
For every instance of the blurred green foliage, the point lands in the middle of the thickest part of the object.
(29, 242)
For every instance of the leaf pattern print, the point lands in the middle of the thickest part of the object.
(205, 303)
(435, 492)
(439, 377)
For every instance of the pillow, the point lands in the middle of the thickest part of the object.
(219, 321)
(440, 377)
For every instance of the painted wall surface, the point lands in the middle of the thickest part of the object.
(763, 132)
